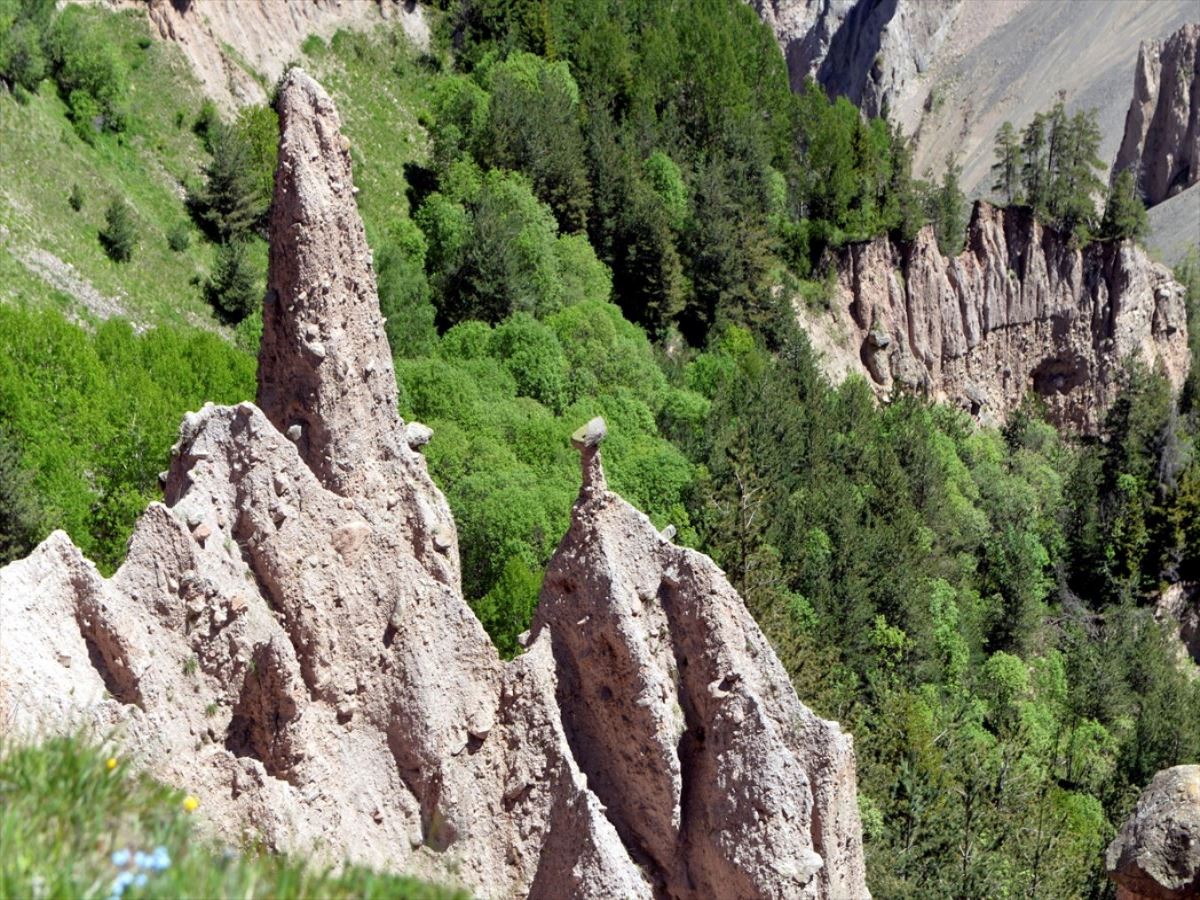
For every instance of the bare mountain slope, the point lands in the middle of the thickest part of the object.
(1017, 64)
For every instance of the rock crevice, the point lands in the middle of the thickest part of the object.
(287, 638)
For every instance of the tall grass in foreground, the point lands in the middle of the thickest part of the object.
(76, 822)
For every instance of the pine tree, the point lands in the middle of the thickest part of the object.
(947, 209)
(231, 202)
(1080, 182)
(1058, 134)
(118, 236)
(233, 287)
(1033, 165)
(1007, 167)
(1124, 213)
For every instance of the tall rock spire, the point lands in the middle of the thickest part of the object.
(325, 375)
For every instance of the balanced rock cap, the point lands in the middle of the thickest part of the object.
(590, 435)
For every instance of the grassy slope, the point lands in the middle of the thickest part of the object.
(379, 100)
(64, 812)
(146, 165)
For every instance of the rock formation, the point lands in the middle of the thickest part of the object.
(866, 50)
(1019, 309)
(1162, 129)
(287, 638)
(1156, 856)
(1179, 607)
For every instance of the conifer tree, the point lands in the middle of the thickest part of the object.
(1007, 167)
(231, 202)
(118, 236)
(233, 288)
(1033, 156)
(1124, 213)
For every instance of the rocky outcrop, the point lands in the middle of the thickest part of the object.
(866, 50)
(288, 641)
(1020, 309)
(1179, 607)
(1162, 128)
(232, 44)
(1157, 854)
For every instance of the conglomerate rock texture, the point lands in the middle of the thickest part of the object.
(287, 638)
(1162, 128)
(1020, 309)
(1156, 856)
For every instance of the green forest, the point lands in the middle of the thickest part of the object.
(591, 211)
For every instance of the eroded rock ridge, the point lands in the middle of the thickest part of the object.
(1162, 128)
(287, 638)
(1020, 309)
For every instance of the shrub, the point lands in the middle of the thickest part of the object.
(89, 72)
(313, 46)
(75, 198)
(22, 62)
(18, 505)
(118, 236)
(207, 120)
(179, 238)
(531, 353)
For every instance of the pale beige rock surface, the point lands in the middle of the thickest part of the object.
(1019, 309)
(287, 638)
(1156, 856)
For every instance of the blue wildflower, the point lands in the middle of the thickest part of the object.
(120, 858)
(160, 859)
(140, 880)
(120, 883)
(141, 860)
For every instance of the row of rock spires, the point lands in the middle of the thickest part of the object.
(288, 639)
(1162, 128)
(1022, 308)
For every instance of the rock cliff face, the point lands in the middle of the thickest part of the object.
(287, 638)
(1018, 310)
(1162, 129)
(866, 50)
(1157, 854)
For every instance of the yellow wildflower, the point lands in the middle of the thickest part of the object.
(190, 803)
(110, 763)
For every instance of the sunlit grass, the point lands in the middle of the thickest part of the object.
(77, 821)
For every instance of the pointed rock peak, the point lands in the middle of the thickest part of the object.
(587, 439)
(325, 375)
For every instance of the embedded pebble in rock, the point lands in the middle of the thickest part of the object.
(350, 706)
